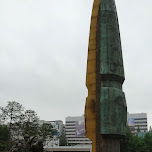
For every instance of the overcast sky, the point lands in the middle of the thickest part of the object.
(43, 55)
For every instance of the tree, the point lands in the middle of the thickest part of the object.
(63, 140)
(148, 141)
(11, 115)
(4, 137)
(126, 144)
(47, 132)
(30, 123)
(4, 133)
(135, 143)
(22, 122)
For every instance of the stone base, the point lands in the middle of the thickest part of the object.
(111, 145)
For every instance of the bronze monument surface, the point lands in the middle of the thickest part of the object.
(106, 110)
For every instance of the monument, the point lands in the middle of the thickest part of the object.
(105, 110)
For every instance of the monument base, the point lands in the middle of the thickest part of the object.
(111, 145)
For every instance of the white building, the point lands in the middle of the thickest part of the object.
(137, 121)
(57, 125)
(75, 129)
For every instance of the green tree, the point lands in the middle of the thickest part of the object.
(140, 145)
(4, 133)
(4, 138)
(148, 141)
(126, 144)
(30, 123)
(135, 143)
(62, 140)
(47, 131)
(11, 115)
(22, 122)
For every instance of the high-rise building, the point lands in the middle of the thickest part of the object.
(137, 122)
(75, 131)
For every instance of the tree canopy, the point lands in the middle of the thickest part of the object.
(19, 122)
(4, 137)
(135, 143)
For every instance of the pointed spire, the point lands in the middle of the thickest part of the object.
(110, 43)
(108, 5)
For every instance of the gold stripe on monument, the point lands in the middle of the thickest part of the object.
(90, 115)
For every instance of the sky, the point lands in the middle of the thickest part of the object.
(43, 55)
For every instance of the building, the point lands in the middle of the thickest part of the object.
(137, 122)
(57, 125)
(75, 131)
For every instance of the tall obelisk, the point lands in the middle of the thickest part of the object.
(106, 110)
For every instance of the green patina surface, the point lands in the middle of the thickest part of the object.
(113, 111)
